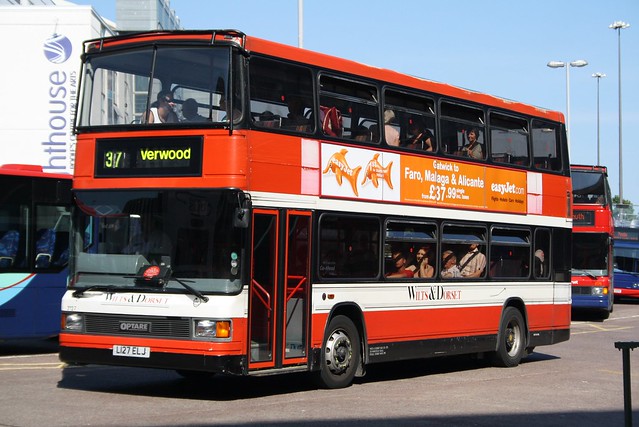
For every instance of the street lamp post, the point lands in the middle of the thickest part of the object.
(300, 23)
(619, 25)
(598, 76)
(560, 64)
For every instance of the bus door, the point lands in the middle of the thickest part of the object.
(278, 311)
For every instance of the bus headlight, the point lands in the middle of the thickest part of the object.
(596, 290)
(212, 329)
(73, 322)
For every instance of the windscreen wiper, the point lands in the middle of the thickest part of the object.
(584, 273)
(191, 289)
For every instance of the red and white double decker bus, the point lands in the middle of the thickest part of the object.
(593, 233)
(286, 210)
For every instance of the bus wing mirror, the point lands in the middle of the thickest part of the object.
(241, 218)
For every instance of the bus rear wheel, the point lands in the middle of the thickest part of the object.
(340, 353)
(511, 344)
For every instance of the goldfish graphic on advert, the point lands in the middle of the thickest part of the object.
(375, 171)
(338, 165)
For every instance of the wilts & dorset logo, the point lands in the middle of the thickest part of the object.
(432, 293)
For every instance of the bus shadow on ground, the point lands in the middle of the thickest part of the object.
(28, 347)
(524, 419)
(169, 384)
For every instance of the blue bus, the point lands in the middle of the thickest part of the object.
(627, 261)
(34, 250)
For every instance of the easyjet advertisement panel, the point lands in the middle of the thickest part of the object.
(350, 172)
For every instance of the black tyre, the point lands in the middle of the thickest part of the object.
(511, 344)
(340, 353)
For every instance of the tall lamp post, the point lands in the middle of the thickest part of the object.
(619, 25)
(598, 76)
(560, 64)
(300, 23)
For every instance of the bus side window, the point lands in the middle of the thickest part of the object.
(281, 96)
(509, 139)
(541, 268)
(510, 254)
(457, 122)
(546, 144)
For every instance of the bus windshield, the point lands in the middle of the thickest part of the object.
(117, 234)
(159, 85)
(588, 187)
(590, 254)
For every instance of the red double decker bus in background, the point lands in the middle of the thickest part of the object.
(247, 207)
(593, 233)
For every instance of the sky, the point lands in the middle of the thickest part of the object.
(500, 47)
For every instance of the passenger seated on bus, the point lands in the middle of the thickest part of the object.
(374, 129)
(473, 148)
(390, 133)
(449, 265)
(331, 120)
(295, 119)
(540, 269)
(473, 263)
(162, 110)
(399, 260)
(237, 112)
(422, 267)
(268, 120)
(189, 111)
(420, 138)
(361, 133)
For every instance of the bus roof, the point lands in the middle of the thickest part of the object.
(30, 170)
(257, 45)
(590, 168)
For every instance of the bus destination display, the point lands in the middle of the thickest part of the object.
(174, 156)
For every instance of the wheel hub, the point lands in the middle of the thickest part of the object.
(339, 352)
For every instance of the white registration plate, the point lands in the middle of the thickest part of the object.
(131, 351)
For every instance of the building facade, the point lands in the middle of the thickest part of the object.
(41, 48)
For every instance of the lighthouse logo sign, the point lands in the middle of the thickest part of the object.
(57, 48)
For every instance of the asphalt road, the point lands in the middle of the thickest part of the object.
(576, 383)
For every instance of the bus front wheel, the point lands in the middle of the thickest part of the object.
(511, 343)
(340, 353)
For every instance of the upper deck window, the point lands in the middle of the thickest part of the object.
(413, 120)
(546, 145)
(509, 139)
(173, 85)
(462, 129)
(281, 95)
(348, 109)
